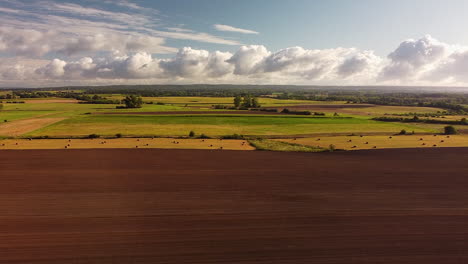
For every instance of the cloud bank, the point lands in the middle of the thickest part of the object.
(421, 61)
(54, 43)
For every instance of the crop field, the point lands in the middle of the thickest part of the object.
(120, 206)
(370, 142)
(145, 143)
(215, 125)
(59, 117)
(208, 101)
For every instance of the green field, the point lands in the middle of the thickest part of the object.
(215, 125)
(66, 117)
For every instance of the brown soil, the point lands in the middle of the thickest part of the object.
(234, 112)
(179, 206)
(322, 106)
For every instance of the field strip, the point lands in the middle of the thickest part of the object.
(98, 143)
(19, 127)
(379, 142)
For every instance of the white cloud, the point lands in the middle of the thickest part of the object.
(45, 27)
(413, 57)
(248, 58)
(227, 28)
(54, 69)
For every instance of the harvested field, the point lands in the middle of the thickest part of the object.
(101, 143)
(387, 141)
(19, 127)
(175, 206)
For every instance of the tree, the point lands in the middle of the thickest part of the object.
(247, 101)
(450, 130)
(254, 102)
(237, 101)
(250, 101)
(192, 134)
(133, 101)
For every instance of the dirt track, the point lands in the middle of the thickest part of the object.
(178, 206)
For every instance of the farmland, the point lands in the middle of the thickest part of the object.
(209, 116)
(200, 206)
(196, 179)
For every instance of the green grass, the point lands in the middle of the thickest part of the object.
(271, 145)
(215, 125)
(17, 115)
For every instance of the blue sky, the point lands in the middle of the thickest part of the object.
(420, 42)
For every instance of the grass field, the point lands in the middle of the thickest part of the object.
(216, 125)
(369, 142)
(98, 143)
(58, 117)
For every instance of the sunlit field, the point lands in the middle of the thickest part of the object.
(379, 142)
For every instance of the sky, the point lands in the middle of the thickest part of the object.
(333, 42)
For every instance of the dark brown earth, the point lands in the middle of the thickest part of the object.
(234, 112)
(180, 206)
(322, 106)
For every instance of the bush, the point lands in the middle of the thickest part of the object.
(233, 136)
(450, 130)
(203, 136)
(191, 134)
(94, 136)
(402, 132)
(332, 147)
(118, 135)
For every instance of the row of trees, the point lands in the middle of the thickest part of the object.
(246, 101)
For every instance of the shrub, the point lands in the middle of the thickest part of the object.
(233, 136)
(331, 147)
(94, 136)
(118, 135)
(219, 106)
(203, 136)
(191, 134)
(450, 130)
(402, 132)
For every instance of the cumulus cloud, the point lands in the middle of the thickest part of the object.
(248, 58)
(227, 28)
(423, 61)
(453, 68)
(54, 69)
(413, 57)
